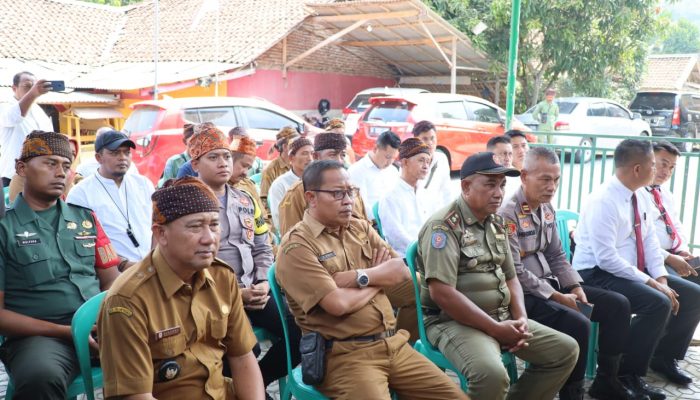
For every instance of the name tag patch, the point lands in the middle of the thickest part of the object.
(167, 333)
(526, 233)
(28, 242)
(327, 256)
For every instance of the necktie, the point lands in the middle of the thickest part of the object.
(638, 234)
(670, 229)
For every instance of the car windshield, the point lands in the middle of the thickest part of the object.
(388, 111)
(656, 101)
(220, 116)
(361, 102)
(141, 120)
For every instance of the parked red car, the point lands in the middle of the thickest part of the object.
(156, 126)
(463, 123)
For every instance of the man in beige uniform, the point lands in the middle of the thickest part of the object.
(335, 270)
(279, 165)
(167, 322)
(473, 302)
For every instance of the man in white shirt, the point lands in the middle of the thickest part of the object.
(668, 225)
(301, 153)
(617, 249)
(375, 174)
(407, 206)
(438, 180)
(122, 201)
(520, 146)
(502, 149)
(89, 166)
(20, 116)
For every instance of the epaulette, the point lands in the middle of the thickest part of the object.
(453, 219)
(138, 274)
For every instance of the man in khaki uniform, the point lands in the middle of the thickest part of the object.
(336, 270)
(167, 322)
(473, 303)
(279, 165)
(327, 146)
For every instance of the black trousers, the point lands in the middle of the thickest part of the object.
(654, 331)
(274, 364)
(41, 367)
(611, 311)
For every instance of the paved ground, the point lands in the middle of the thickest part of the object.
(691, 364)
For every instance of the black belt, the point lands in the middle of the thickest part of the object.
(369, 338)
(430, 311)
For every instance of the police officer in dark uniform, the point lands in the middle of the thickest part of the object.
(53, 257)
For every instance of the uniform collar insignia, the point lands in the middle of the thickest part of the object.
(525, 208)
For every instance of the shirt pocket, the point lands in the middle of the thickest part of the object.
(472, 253)
(35, 266)
(218, 326)
(169, 347)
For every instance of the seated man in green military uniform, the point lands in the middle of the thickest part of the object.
(473, 302)
(53, 257)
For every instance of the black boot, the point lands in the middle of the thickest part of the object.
(572, 391)
(606, 386)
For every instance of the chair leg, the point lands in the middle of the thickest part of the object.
(592, 356)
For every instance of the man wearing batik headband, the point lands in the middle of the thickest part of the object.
(53, 257)
(279, 165)
(337, 125)
(301, 153)
(169, 320)
(244, 244)
(408, 205)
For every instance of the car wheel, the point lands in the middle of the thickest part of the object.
(581, 155)
(644, 134)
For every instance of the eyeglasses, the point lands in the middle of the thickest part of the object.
(340, 194)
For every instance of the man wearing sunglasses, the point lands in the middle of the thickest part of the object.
(336, 272)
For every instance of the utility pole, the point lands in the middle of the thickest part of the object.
(512, 61)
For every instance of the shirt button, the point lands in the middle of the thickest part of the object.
(35, 257)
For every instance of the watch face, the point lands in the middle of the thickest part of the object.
(363, 280)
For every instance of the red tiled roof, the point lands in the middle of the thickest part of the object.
(669, 71)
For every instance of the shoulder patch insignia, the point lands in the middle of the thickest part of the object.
(511, 228)
(525, 208)
(120, 310)
(438, 240)
(452, 219)
(290, 247)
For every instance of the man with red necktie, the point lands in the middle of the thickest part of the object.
(617, 249)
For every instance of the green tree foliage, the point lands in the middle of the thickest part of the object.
(681, 37)
(598, 46)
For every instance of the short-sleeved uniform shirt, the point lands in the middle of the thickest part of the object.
(48, 259)
(309, 255)
(473, 257)
(150, 317)
(294, 203)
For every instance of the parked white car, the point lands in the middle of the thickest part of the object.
(594, 116)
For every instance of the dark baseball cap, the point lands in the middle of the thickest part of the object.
(484, 163)
(112, 140)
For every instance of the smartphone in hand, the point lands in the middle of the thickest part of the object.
(57, 86)
(694, 262)
(585, 308)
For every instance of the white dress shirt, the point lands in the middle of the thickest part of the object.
(660, 226)
(403, 211)
(277, 191)
(100, 194)
(605, 234)
(373, 182)
(513, 183)
(439, 185)
(14, 128)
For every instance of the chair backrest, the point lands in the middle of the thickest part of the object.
(563, 218)
(81, 326)
(375, 212)
(411, 256)
(282, 309)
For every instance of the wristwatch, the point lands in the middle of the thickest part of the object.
(362, 279)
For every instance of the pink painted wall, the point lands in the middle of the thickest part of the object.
(304, 89)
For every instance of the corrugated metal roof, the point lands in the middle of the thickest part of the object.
(671, 71)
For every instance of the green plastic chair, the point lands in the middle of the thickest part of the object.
(263, 335)
(375, 212)
(424, 347)
(563, 219)
(90, 378)
(295, 385)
